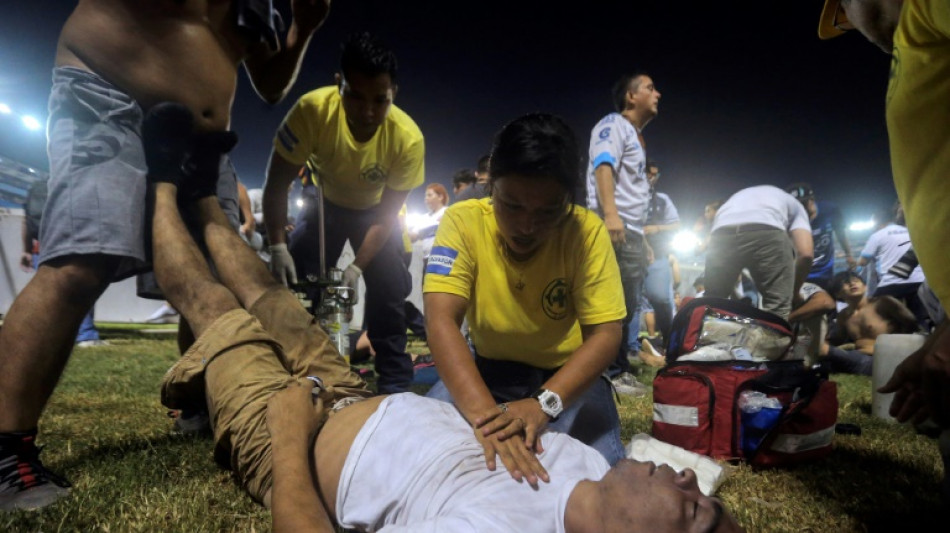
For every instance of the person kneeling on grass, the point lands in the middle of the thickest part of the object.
(393, 463)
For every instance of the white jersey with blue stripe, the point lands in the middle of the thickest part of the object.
(614, 141)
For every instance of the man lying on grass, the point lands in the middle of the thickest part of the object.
(318, 455)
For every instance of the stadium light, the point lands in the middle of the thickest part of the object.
(685, 241)
(31, 123)
(861, 226)
(415, 220)
(299, 202)
(5, 109)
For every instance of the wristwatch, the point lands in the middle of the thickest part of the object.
(550, 402)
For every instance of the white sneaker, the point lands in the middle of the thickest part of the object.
(92, 343)
(165, 314)
(627, 384)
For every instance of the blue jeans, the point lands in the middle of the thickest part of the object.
(631, 257)
(658, 288)
(591, 419)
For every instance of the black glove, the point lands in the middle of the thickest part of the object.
(201, 168)
(167, 134)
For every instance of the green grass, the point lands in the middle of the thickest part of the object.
(106, 431)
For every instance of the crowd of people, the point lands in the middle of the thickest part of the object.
(533, 296)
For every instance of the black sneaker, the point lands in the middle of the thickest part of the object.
(24, 482)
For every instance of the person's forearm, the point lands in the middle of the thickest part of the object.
(604, 176)
(373, 242)
(456, 368)
(818, 304)
(588, 361)
(273, 78)
(295, 503)
(274, 199)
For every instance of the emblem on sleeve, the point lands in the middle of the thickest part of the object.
(441, 259)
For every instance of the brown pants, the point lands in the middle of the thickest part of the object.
(239, 362)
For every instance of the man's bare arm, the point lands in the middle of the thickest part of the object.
(804, 254)
(272, 75)
(295, 503)
(820, 303)
(604, 174)
(379, 231)
(280, 175)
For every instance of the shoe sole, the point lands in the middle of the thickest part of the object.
(33, 499)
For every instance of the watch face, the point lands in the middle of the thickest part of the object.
(550, 403)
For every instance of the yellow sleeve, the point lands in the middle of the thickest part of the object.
(409, 173)
(294, 139)
(451, 265)
(598, 292)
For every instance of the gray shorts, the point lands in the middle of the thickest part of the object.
(96, 202)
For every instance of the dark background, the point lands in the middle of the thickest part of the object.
(750, 95)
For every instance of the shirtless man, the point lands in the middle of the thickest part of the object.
(115, 59)
(316, 466)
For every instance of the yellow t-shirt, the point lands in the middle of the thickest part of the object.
(353, 174)
(528, 311)
(918, 124)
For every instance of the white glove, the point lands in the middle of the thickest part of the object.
(351, 278)
(282, 264)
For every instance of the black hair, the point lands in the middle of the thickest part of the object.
(651, 164)
(366, 54)
(623, 85)
(483, 163)
(839, 279)
(463, 175)
(897, 315)
(537, 145)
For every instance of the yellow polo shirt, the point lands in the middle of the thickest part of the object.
(353, 174)
(529, 311)
(918, 124)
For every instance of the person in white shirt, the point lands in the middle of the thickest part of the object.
(895, 263)
(752, 230)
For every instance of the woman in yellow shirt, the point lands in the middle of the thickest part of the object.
(537, 279)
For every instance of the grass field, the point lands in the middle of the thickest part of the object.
(106, 431)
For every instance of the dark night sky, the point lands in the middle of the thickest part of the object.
(747, 98)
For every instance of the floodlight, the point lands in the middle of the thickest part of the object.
(685, 241)
(31, 123)
(861, 226)
(5, 109)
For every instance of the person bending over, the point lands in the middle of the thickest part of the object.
(297, 426)
(536, 277)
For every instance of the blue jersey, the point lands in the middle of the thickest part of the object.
(822, 233)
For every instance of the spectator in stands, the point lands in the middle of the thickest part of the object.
(480, 189)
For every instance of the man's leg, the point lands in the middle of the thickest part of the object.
(723, 264)
(772, 268)
(631, 259)
(659, 291)
(35, 342)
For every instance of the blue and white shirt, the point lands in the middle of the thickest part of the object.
(614, 141)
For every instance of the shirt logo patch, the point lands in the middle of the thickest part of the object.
(441, 259)
(554, 299)
(374, 174)
(604, 133)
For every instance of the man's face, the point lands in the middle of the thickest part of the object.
(653, 175)
(644, 497)
(875, 19)
(432, 200)
(646, 96)
(366, 101)
(459, 187)
(852, 289)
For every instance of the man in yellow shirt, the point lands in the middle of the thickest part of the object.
(917, 35)
(368, 155)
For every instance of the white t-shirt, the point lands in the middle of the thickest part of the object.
(762, 204)
(808, 290)
(427, 227)
(614, 141)
(886, 247)
(416, 466)
(256, 196)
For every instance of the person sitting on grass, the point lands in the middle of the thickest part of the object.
(303, 436)
(851, 343)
